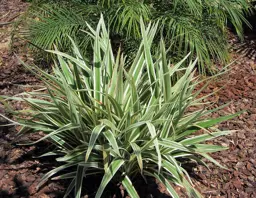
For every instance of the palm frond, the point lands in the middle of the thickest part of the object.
(188, 25)
(52, 23)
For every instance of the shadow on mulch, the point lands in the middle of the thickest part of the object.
(151, 189)
(20, 190)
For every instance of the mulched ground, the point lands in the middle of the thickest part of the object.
(240, 178)
(20, 171)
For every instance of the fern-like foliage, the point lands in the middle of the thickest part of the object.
(51, 24)
(193, 26)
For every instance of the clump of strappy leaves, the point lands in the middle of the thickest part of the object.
(105, 120)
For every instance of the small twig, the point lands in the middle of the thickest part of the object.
(5, 15)
(5, 23)
(12, 18)
(9, 21)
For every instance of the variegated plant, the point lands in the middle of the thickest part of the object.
(106, 120)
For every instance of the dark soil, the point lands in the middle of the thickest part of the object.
(20, 171)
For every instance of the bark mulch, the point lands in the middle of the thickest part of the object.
(20, 171)
(240, 159)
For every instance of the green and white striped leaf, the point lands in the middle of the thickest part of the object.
(129, 187)
(109, 174)
(95, 133)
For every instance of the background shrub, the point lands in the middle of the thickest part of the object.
(193, 26)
